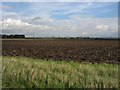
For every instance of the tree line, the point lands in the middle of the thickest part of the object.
(23, 36)
(13, 36)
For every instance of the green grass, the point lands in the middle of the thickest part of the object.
(21, 72)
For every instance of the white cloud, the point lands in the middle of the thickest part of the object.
(14, 15)
(21, 27)
(103, 27)
(13, 23)
(84, 33)
(74, 26)
(39, 18)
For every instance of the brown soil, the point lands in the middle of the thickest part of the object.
(94, 51)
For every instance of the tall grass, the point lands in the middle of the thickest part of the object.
(20, 72)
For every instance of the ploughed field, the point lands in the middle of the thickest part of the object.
(94, 51)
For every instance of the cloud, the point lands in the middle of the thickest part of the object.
(103, 27)
(72, 27)
(11, 23)
(18, 26)
(84, 33)
(42, 20)
(14, 15)
(73, 9)
(61, 9)
(54, 8)
(39, 20)
(4, 7)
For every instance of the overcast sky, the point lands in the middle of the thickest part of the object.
(91, 19)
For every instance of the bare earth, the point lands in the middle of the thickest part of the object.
(94, 51)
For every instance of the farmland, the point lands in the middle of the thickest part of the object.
(48, 63)
(93, 51)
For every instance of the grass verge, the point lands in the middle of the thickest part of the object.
(22, 72)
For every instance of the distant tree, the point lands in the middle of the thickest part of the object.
(19, 36)
(13, 36)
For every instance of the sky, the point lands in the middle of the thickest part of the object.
(64, 19)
